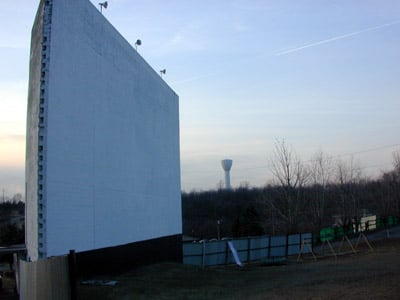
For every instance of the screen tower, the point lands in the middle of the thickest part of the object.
(102, 157)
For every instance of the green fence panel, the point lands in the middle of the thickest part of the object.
(339, 232)
(379, 223)
(327, 234)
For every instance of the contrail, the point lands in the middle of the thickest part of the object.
(339, 37)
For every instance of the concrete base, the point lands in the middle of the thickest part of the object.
(123, 258)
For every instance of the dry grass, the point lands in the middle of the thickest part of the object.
(367, 275)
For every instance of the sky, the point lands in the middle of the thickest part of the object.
(322, 75)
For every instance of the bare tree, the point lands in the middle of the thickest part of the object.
(396, 161)
(291, 176)
(321, 176)
(348, 171)
(390, 202)
(349, 180)
(396, 164)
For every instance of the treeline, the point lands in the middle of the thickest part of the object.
(12, 227)
(302, 197)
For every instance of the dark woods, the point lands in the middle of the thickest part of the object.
(12, 225)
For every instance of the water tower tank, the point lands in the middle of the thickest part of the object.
(226, 165)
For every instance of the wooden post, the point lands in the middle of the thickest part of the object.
(330, 247)
(16, 271)
(303, 245)
(72, 273)
(365, 240)
(345, 237)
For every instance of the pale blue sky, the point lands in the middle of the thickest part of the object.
(320, 74)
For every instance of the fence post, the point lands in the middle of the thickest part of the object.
(204, 253)
(226, 252)
(16, 271)
(300, 241)
(72, 273)
(248, 248)
(287, 245)
(269, 246)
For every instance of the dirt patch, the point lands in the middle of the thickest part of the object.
(367, 275)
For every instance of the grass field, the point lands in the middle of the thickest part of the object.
(367, 275)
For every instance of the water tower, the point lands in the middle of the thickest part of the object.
(226, 165)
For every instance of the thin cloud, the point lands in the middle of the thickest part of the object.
(339, 37)
(13, 137)
(195, 78)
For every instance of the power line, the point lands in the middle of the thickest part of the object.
(368, 150)
(310, 160)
